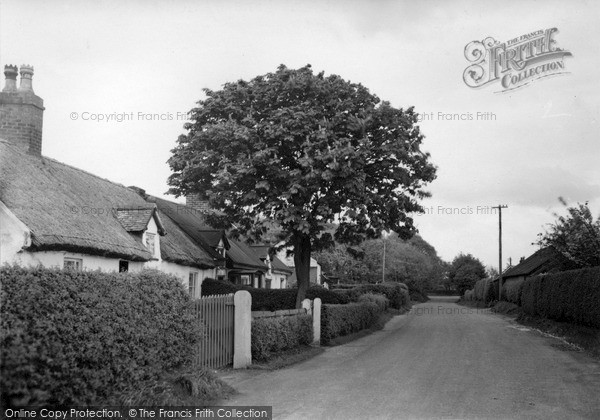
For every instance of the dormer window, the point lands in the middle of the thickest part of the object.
(221, 248)
(150, 242)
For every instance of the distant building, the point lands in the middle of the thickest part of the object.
(278, 273)
(288, 260)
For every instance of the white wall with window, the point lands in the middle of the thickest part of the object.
(151, 239)
(195, 279)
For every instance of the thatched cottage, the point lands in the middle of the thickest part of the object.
(56, 215)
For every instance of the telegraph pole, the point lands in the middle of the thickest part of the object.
(500, 207)
(383, 268)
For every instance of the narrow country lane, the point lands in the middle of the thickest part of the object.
(441, 360)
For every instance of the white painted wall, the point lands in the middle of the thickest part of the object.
(182, 272)
(14, 235)
(56, 259)
(153, 229)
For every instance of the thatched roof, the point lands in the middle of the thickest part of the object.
(240, 256)
(67, 208)
(179, 248)
(192, 223)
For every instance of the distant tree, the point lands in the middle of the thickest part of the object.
(346, 263)
(465, 270)
(491, 271)
(576, 235)
(302, 150)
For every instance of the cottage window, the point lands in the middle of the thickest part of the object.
(245, 279)
(193, 284)
(123, 266)
(73, 264)
(150, 242)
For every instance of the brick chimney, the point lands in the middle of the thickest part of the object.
(197, 202)
(21, 111)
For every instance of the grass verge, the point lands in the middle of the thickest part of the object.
(287, 358)
(185, 387)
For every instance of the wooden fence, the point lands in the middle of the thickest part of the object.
(216, 313)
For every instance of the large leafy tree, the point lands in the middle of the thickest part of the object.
(576, 235)
(301, 150)
(465, 270)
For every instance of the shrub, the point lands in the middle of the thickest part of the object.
(217, 287)
(417, 295)
(339, 320)
(351, 294)
(511, 290)
(397, 293)
(271, 335)
(479, 290)
(327, 296)
(572, 296)
(380, 300)
(490, 291)
(76, 338)
(272, 299)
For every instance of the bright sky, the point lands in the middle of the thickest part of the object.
(539, 142)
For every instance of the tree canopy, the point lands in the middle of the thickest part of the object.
(465, 270)
(413, 262)
(576, 235)
(301, 150)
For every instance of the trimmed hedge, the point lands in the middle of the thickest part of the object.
(380, 300)
(271, 335)
(511, 290)
(339, 320)
(77, 338)
(396, 293)
(272, 299)
(572, 296)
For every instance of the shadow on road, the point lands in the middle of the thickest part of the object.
(450, 299)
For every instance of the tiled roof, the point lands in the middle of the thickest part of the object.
(136, 219)
(542, 261)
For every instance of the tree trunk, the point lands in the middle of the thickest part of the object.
(302, 248)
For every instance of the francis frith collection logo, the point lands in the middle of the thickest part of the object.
(514, 63)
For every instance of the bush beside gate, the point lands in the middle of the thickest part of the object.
(339, 320)
(75, 338)
(278, 333)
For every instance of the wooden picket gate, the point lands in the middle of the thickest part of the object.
(216, 313)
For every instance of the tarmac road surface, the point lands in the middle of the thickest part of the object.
(440, 360)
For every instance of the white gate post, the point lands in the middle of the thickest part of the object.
(242, 355)
(316, 318)
(306, 305)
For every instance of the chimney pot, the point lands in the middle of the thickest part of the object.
(10, 73)
(26, 76)
(21, 111)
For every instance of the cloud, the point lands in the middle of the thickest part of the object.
(537, 186)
